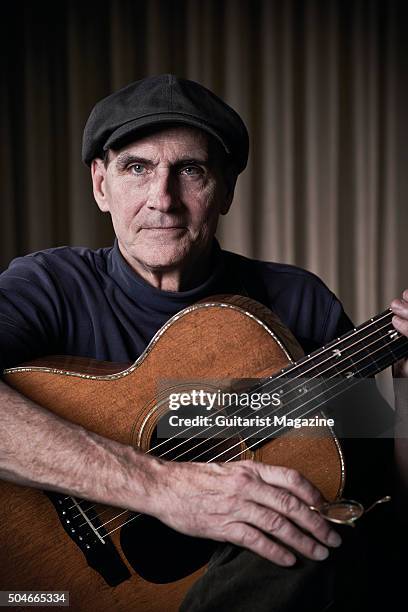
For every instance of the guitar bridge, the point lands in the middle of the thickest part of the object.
(86, 530)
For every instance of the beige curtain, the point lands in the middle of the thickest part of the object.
(322, 86)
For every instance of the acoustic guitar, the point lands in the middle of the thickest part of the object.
(112, 559)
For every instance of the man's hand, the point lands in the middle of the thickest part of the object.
(244, 503)
(399, 306)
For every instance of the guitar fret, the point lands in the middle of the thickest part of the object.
(372, 333)
(334, 368)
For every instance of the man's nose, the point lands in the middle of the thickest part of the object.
(163, 193)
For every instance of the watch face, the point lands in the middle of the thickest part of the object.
(344, 511)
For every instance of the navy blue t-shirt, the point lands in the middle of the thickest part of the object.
(77, 301)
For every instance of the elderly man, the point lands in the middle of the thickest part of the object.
(164, 155)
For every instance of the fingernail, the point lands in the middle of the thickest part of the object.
(320, 553)
(289, 560)
(334, 539)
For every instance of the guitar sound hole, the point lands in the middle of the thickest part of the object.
(156, 552)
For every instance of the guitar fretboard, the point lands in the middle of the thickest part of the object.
(307, 385)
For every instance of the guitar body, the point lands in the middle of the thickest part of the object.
(227, 337)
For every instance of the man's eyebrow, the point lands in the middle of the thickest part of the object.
(124, 159)
(130, 158)
(191, 160)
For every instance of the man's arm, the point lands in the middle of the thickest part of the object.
(236, 502)
(39, 449)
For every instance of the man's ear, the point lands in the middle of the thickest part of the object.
(98, 173)
(231, 181)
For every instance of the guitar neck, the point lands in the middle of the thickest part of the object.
(316, 379)
(362, 352)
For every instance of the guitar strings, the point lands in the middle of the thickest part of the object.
(350, 382)
(264, 385)
(273, 380)
(136, 516)
(270, 381)
(308, 401)
(292, 367)
(309, 389)
(353, 381)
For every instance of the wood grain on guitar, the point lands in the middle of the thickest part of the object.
(223, 337)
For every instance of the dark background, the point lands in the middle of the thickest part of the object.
(322, 86)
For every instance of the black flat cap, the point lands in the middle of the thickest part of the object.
(163, 100)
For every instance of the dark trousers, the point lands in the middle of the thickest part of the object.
(361, 575)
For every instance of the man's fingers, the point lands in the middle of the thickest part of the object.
(259, 507)
(292, 480)
(251, 538)
(297, 511)
(400, 302)
(400, 309)
(282, 529)
(401, 324)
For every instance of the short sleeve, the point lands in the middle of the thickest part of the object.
(336, 322)
(30, 311)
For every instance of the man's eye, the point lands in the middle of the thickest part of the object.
(191, 170)
(137, 168)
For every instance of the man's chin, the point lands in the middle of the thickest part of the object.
(161, 258)
(159, 264)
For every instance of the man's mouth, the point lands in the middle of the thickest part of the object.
(162, 229)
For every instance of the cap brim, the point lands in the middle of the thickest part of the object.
(124, 133)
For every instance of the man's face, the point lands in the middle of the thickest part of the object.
(165, 193)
